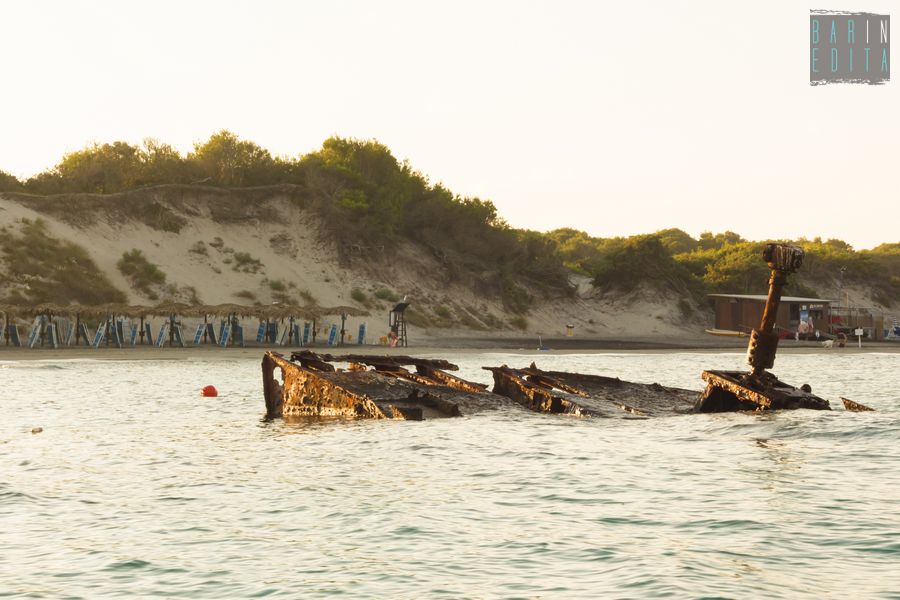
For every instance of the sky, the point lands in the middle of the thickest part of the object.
(614, 118)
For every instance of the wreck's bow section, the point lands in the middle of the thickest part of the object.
(577, 394)
(373, 387)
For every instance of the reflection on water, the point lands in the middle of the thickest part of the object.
(137, 486)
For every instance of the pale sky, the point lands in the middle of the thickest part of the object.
(615, 118)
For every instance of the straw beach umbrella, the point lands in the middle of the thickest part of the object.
(350, 311)
(173, 308)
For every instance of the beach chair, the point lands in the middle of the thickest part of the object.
(199, 335)
(148, 332)
(119, 330)
(98, 337)
(261, 332)
(361, 339)
(35, 331)
(332, 335)
(239, 335)
(84, 333)
(161, 338)
(13, 333)
(70, 334)
(306, 328)
(133, 334)
(211, 334)
(284, 336)
(178, 334)
(226, 333)
(51, 335)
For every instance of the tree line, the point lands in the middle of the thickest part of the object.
(726, 263)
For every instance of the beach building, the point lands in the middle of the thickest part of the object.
(743, 312)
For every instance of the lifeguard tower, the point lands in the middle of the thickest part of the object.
(397, 321)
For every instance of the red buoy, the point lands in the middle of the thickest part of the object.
(209, 391)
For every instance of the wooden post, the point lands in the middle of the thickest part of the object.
(205, 334)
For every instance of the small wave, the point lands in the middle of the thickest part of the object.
(886, 548)
(13, 497)
(127, 565)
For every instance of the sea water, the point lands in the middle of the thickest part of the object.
(138, 487)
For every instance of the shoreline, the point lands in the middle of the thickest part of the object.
(432, 348)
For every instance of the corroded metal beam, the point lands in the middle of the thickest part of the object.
(855, 406)
(375, 361)
(577, 394)
(530, 395)
(451, 380)
(740, 390)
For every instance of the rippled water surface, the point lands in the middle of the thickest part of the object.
(138, 487)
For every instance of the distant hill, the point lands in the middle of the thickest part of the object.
(349, 224)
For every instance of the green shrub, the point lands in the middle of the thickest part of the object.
(386, 294)
(359, 296)
(141, 273)
(244, 263)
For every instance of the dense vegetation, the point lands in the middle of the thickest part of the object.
(370, 202)
(725, 262)
(41, 268)
(367, 199)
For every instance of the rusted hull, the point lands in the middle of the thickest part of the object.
(852, 406)
(376, 387)
(311, 387)
(576, 394)
(739, 390)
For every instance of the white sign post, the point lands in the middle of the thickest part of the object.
(858, 333)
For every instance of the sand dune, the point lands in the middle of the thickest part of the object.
(277, 252)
